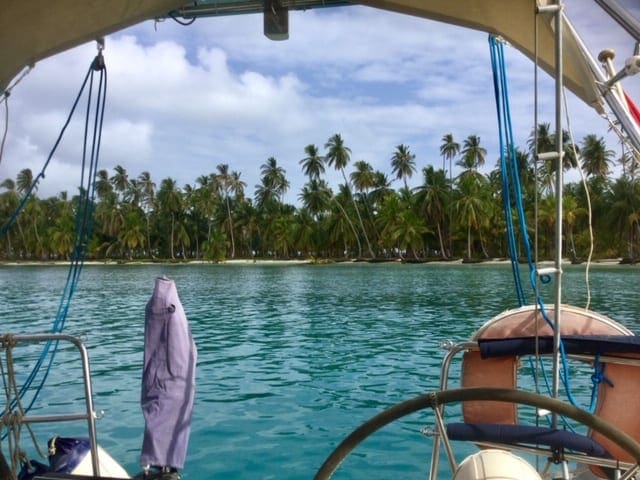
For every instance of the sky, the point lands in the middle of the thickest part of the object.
(182, 100)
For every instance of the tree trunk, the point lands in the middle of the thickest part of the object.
(441, 241)
(351, 225)
(233, 244)
(355, 205)
(172, 221)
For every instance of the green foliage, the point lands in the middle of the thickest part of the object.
(445, 216)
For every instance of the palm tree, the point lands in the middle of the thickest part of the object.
(622, 215)
(132, 236)
(61, 232)
(316, 196)
(120, 180)
(103, 186)
(338, 156)
(170, 202)
(381, 186)
(471, 206)
(408, 232)
(433, 196)
(224, 183)
(306, 238)
(448, 150)
(9, 201)
(473, 155)
(403, 163)
(24, 180)
(570, 215)
(14, 190)
(313, 163)
(364, 179)
(33, 215)
(110, 220)
(541, 139)
(147, 202)
(246, 222)
(274, 177)
(388, 219)
(596, 158)
(209, 199)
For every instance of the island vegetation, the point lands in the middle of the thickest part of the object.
(445, 217)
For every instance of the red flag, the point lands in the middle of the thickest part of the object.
(635, 111)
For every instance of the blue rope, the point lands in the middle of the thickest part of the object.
(511, 180)
(504, 129)
(84, 217)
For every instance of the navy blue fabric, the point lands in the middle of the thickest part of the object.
(29, 471)
(525, 435)
(576, 344)
(69, 452)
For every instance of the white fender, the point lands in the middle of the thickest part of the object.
(108, 466)
(495, 465)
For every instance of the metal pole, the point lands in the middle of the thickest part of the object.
(90, 415)
(556, 10)
(559, 191)
(613, 100)
(622, 16)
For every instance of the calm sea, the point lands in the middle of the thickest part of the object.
(291, 358)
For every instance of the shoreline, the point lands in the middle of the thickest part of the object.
(607, 262)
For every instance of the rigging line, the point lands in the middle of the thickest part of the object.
(536, 66)
(515, 169)
(5, 228)
(6, 123)
(85, 214)
(624, 139)
(535, 279)
(83, 238)
(17, 212)
(495, 48)
(504, 120)
(588, 196)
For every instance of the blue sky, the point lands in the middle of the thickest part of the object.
(182, 100)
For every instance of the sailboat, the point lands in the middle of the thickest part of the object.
(508, 446)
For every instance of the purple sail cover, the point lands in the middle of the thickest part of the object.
(168, 379)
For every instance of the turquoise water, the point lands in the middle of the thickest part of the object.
(291, 358)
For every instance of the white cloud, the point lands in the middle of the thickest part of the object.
(182, 100)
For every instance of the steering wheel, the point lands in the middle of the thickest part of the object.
(435, 399)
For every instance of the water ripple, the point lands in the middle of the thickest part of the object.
(290, 359)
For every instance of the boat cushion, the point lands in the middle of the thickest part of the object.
(576, 344)
(494, 373)
(526, 435)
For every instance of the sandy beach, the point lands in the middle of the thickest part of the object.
(249, 261)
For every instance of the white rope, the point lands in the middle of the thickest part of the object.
(588, 195)
(12, 421)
